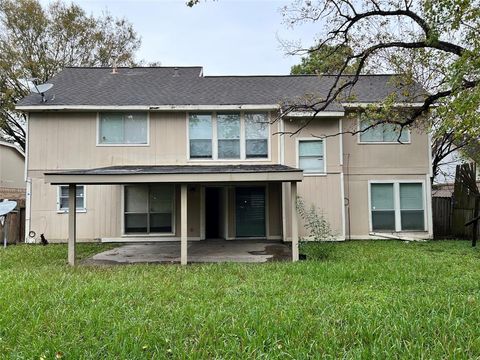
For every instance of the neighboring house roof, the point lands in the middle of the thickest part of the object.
(446, 189)
(162, 86)
(13, 146)
(443, 190)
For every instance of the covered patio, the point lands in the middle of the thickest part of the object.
(182, 175)
(212, 250)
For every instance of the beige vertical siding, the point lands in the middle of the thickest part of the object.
(69, 141)
(194, 208)
(321, 191)
(392, 158)
(232, 231)
(92, 224)
(357, 193)
(12, 168)
(274, 210)
(369, 162)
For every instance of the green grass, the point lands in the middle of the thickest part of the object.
(382, 299)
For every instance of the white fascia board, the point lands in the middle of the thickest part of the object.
(312, 113)
(366, 104)
(84, 179)
(147, 107)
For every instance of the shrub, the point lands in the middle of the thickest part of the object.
(319, 232)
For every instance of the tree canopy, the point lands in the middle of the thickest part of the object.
(325, 60)
(439, 34)
(37, 42)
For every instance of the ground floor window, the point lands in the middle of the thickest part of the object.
(397, 206)
(62, 201)
(149, 208)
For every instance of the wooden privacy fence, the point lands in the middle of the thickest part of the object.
(464, 199)
(16, 219)
(442, 212)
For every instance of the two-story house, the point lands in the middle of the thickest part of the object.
(162, 153)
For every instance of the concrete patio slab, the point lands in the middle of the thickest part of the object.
(245, 251)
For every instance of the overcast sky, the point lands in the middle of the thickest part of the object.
(225, 37)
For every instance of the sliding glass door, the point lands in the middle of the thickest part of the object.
(149, 208)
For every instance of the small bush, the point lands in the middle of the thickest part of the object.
(314, 245)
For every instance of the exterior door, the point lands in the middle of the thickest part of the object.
(250, 211)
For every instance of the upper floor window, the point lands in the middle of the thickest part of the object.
(226, 136)
(311, 156)
(62, 202)
(228, 132)
(200, 132)
(256, 136)
(123, 128)
(382, 133)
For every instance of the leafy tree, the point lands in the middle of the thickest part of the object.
(326, 60)
(37, 42)
(442, 34)
(431, 42)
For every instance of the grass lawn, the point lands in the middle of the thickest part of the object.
(368, 299)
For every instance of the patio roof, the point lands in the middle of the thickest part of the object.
(183, 174)
(175, 173)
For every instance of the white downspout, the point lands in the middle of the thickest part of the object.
(281, 125)
(428, 189)
(28, 193)
(342, 178)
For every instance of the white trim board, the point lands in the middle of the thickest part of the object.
(211, 107)
(302, 114)
(367, 104)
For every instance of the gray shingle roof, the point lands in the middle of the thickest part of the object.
(152, 86)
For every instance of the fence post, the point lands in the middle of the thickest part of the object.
(475, 223)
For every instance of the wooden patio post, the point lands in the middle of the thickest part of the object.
(72, 214)
(183, 227)
(293, 187)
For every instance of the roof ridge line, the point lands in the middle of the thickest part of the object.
(134, 67)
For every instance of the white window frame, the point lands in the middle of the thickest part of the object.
(359, 133)
(100, 144)
(396, 204)
(65, 211)
(297, 151)
(243, 156)
(134, 235)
